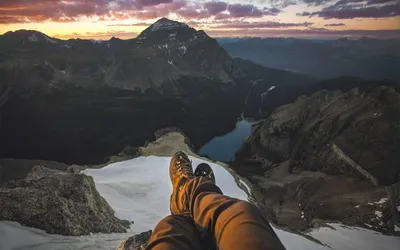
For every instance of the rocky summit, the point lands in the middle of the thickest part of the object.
(59, 203)
(333, 155)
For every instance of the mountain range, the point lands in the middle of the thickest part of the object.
(99, 96)
(369, 58)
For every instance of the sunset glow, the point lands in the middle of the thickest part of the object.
(103, 19)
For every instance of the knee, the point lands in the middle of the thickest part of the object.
(171, 219)
(244, 205)
(174, 220)
(248, 208)
(167, 219)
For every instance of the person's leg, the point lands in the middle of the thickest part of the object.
(174, 232)
(230, 223)
(233, 224)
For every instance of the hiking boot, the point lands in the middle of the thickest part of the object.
(205, 170)
(180, 172)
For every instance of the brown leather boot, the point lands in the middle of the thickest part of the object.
(203, 169)
(180, 172)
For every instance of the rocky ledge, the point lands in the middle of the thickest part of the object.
(59, 203)
(136, 242)
(332, 156)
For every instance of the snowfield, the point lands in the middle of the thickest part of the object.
(139, 189)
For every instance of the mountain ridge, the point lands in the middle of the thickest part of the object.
(164, 51)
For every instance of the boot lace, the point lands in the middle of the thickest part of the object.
(184, 168)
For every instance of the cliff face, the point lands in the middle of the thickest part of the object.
(331, 153)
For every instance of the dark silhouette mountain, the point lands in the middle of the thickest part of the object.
(79, 101)
(165, 51)
(368, 58)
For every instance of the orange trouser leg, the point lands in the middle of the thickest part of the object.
(231, 223)
(174, 232)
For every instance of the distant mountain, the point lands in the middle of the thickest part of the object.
(79, 101)
(368, 58)
(164, 51)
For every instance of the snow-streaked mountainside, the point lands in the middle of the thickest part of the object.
(139, 190)
(166, 24)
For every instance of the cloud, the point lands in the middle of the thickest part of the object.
(334, 24)
(350, 12)
(253, 25)
(372, 2)
(316, 2)
(191, 13)
(349, 9)
(214, 8)
(305, 13)
(309, 33)
(22, 11)
(278, 3)
(223, 10)
(151, 2)
(245, 10)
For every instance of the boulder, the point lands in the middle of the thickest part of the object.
(59, 203)
(75, 169)
(136, 242)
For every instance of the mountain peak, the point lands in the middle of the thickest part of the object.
(31, 36)
(166, 24)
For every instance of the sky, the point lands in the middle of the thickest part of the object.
(103, 19)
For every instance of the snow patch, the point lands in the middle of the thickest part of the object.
(33, 38)
(67, 46)
(170, 62)
(358, 206)
(396, 228)
(353, 238)
(183, 49)
(271, 88)
(139, 189)
(165, 24)
(49, 40)
(96, 41)
(245, 185)
(398, 208)
(378, 214)
(380, 202)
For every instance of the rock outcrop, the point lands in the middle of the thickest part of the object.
(59, 203)
(136, 242)
(329, 156)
